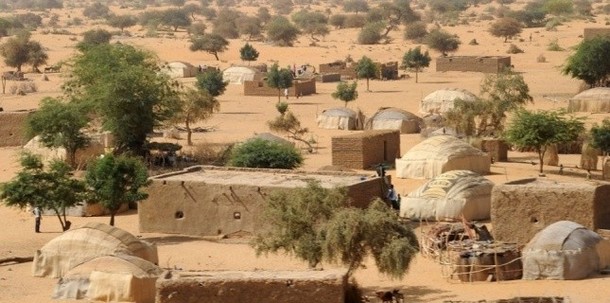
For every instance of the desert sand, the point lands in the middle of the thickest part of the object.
(242, 116)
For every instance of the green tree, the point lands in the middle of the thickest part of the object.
(175, 18)
(125, 91)
(589, 62)
(51, 188)
(370, 33)
(20, 50)
(416, 60)
(462, 117)
(311, 23)
(226, 23)
(261, 153)
(116, 180)
(505, 92)
(316, 224)
(263, 15)
(279, 78)
(94, 37)
(442, 41)
(122, 21)
(60, 125)
(355, 6)
(249, 26)
(532, 14)
(195, 106)
(600, 139)
(396, 13)
(337, 20)
(506, 27)
(212, 82)
(540, 129)
(210, 43)
(282, 7)
(96, 10)
(281, 31)
(346, 92)
(197, 29)
(366, 68)
(248, 53)
(558, 7)
(416, 31)
(288, 124)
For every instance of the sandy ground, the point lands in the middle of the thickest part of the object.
(241, 117)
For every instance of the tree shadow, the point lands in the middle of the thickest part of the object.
(436, 82)
(410, 293)
(239, 113)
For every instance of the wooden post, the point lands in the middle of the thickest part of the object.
(3, 84)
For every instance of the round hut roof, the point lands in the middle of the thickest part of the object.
(126, 264)
(442, 100)
(393, 113)
(441, 146)
(339, 112)
(594, 94)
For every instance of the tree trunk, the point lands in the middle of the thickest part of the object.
(367, 85)
(112, 213)
(61, 222)
(541, 157)
(189, 133)
(216, 55)
(416, 73)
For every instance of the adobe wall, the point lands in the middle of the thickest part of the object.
(208, 201)
(299, 87)
(13, 128)
(326, 286)
(387, 71)
(521, 208)
(331, 77)
(486, 64)
(590, 33)
(496, 148)
(366, 149)
(338, 67)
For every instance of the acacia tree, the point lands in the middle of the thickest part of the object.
(116, 180)
(20, 50)
(210, 43)
(416, 60)
(94, 37)
(442, 41)
(175, 18)
(60, 125)
(125, 92)
(311, 23)
(195, 106)
(366, 68)
(281, 31)
(212, 82)
(248, 53)
(540, 129)
(51, 188)
(589, 62)
(600, 139)
(506, 27)
(346, 92)
(316, 224)
(122, 21)
(288, 123)
(396, 13)
(279, 79)
(249, 26)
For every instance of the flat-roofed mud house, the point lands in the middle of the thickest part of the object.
(211, 201)
(300, 87)
(367, 149)
(483, 64)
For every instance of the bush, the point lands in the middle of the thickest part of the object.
(473, 42)
(416, 31)
(212, 154)
(338, 20)
(260, 153)
(354, 21)
(552, 24)
(513, 49)
(554, 46)
(541, 58)
(370, 34)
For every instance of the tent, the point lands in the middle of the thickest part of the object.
(238, 74)
(442, 100)
(448, 197)
(119, 278)
(394, 118)
(439, 154)
(565, 250)
(594, 100)
(340, 118)
(179, 69)
(78, 245)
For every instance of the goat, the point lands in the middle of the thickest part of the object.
(394, 296)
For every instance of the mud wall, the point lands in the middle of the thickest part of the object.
(13, 128)
(487, 64)
(298, 88)
(521, 208)
(366, 149)
(326, 286)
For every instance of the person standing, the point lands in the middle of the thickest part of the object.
(38, 216)
(286, 93)
(393, 197)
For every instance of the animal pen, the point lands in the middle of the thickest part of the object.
(467, 253)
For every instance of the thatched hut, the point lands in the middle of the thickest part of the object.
(594, 100)
(440, 154)
(443, 100)
(394, 118)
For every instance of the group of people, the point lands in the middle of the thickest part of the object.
(392, 196)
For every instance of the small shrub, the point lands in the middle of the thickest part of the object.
(416, 31)
(541, 58)
(513, 49)
(552, 24)
(554, 46)
(486, 17)
(473, 42)
(370, 34)
(260, 153)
